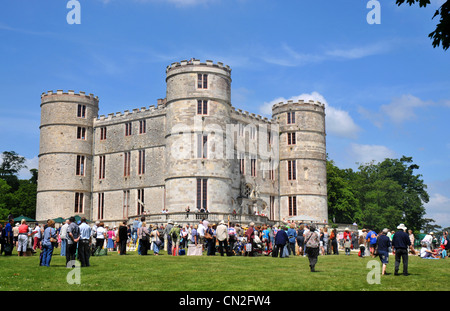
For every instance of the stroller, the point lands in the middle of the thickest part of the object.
(238, 248)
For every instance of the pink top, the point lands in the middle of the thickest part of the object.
(111, 234)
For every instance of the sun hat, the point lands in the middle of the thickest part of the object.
(401, 226)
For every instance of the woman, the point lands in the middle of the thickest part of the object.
(384, 243)
(312, 247)
(48, 242)
(101, 236)
(156, 242)
(111, 238)
(300, 239)
(22, 239)
(334, 243)
(326, 239)
(144, 237)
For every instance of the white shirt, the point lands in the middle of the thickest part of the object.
(63, 232)
(100, 233)
(201, 230)
(37, 230)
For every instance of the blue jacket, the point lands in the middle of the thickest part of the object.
(292, 234)
(401, 240)
(281, 237)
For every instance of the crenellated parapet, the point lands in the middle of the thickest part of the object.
(196, 62)
(136, 113)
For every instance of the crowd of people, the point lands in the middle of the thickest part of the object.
(78, 240)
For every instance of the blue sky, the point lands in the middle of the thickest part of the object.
(386, 89)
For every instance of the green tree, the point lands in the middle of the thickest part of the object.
(342, 203)
(10, 166)
(441, 35)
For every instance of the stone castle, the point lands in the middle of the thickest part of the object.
(192, 149)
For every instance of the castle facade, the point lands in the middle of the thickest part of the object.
(192, 149)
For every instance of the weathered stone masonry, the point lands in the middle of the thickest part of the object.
(192, 149)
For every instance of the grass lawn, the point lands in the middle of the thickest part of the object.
(215, 273)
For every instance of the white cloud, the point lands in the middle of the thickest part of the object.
(338, 122)
(402, 108)
(367, 153)
(360, 52)
(438, 209)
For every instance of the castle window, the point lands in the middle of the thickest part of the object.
(291, 138)
(128, 129)
(292, 170)
(126, 203)
(272, 207)
(101, 205)
(140, 202)
(271, 170)
(253, 167)
(242, 164)
(126, 164)
(202, 107)
(291, 117)
(142, 127)
(80, 165)
(81, 113)
(103, 133)
(202, 193)
(292, 206)
(81, 133)
(141, 161)
(102, 161)
(202, 146)
(202, 81)
(79, 202)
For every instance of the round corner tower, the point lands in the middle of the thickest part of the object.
(302, 167)
(65, 154)
(198, 108)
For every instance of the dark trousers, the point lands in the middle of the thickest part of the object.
(280, 249)
(84, 252)
(223, 244)
(401, 254)
(71, 250)
(123, 246)
(292, 248)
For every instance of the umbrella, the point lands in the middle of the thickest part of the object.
(27, 219)
(59, 220)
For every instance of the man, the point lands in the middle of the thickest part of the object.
(371, 238)
(84, 251)
(9, 238)
(281, 238)
(428, 239)
(36, 237)
(222, 237)
(168, 245)
(134, 230)
(73, 236)
(400, 244)
(175, 235)
(63, 235)
(201, 232)
(123, 236)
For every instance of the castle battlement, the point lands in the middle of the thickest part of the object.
(69, 92)
(250, 116)
(133, 113)
(300, 102)
(194, 62)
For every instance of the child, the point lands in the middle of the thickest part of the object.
(362, 250)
